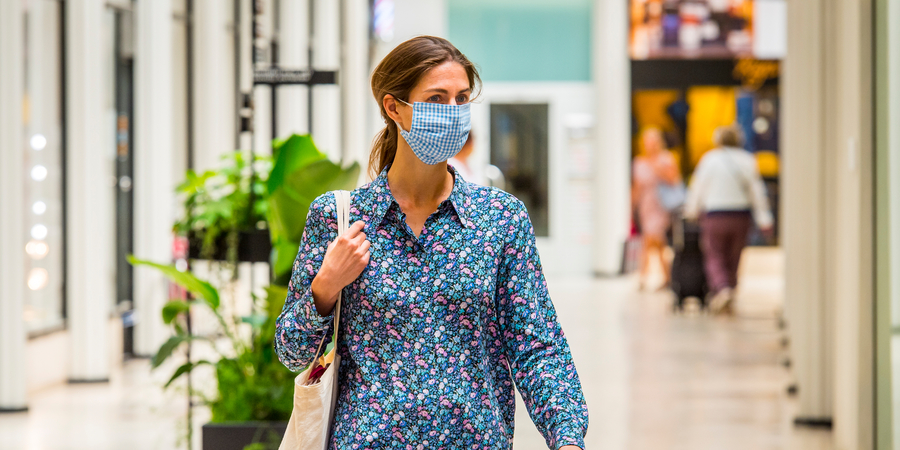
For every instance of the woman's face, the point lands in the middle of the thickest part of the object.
(652, 142)
(446, 83)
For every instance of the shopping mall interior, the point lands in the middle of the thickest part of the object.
(142, 175)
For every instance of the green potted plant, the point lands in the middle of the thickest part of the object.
(254, 392)
(225, 210)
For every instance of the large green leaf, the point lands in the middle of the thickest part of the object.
(295, 152)
(201, 289)
(275, 299)
(185, 368)
(289, 205)
(283, 255)
(173, 308)
(287, 216)
(301, 173)
(165, 350)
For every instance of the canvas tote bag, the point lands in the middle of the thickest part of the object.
(310, 425)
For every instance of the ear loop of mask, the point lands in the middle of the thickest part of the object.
(399, 126)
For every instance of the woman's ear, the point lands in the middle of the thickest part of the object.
(390, 106)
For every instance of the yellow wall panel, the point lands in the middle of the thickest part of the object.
(710, 108)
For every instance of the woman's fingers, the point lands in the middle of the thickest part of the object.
(355, 229)
(364, 247)
(359, 239)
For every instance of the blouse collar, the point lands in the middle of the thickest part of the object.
(459, 197)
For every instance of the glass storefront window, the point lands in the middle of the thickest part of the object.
(44, 305)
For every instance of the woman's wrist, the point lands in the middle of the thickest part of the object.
(324, 294)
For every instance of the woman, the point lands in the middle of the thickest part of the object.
(445, 309)
(655, 167)
(729, 193)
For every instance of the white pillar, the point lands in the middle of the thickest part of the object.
(327, 98)
(89, 195)
(354, 81)
(12, 197)
(154, 161)
(611, 74)
(293, 53)
(803, 211)
(213, 82)
(850, 156)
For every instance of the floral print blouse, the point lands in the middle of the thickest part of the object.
(438, 331)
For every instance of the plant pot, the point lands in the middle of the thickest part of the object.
(237, 435)
(253, 246)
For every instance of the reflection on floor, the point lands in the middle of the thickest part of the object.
(653, 380)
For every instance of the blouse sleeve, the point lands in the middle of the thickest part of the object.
(300, 328)
(539, 356)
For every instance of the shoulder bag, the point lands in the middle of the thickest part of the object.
(311, 419)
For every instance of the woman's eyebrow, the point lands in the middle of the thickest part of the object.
(444, 91)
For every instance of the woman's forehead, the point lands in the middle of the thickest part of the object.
(449, 76)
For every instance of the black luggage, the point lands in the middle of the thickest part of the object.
(688, 276)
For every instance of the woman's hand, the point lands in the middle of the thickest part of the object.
(345, 259)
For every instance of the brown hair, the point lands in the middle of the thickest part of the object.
(397, 74)
(728, 136)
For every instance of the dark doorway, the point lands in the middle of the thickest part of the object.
(519, 148)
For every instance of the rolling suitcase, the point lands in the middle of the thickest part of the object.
(688, 276)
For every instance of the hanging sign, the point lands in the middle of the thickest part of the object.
(753, 73)
(279, 76)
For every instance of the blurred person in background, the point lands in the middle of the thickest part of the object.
(654, 174)
(726, 194)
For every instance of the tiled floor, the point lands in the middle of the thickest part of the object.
(653, 380)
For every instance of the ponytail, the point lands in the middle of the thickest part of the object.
(383, 149)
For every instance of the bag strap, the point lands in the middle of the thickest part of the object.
(342, 200)
(342, 210)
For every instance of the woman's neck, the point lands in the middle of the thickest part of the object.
(412, 181)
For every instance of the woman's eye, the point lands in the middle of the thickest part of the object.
(434, 98)
(462, 99)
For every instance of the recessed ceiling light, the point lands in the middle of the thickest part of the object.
(38, 142)
(38, 278)
(39, 232)
(38, 173)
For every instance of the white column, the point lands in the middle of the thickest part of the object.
(611, 74)
(850, 156)
(327, 98)
(354, 81)
(213, 82)
(803, 211)
(293, 53)
(89, 195)
(12, 225)
(154, 161)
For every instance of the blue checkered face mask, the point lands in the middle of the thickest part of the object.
(438, 131)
